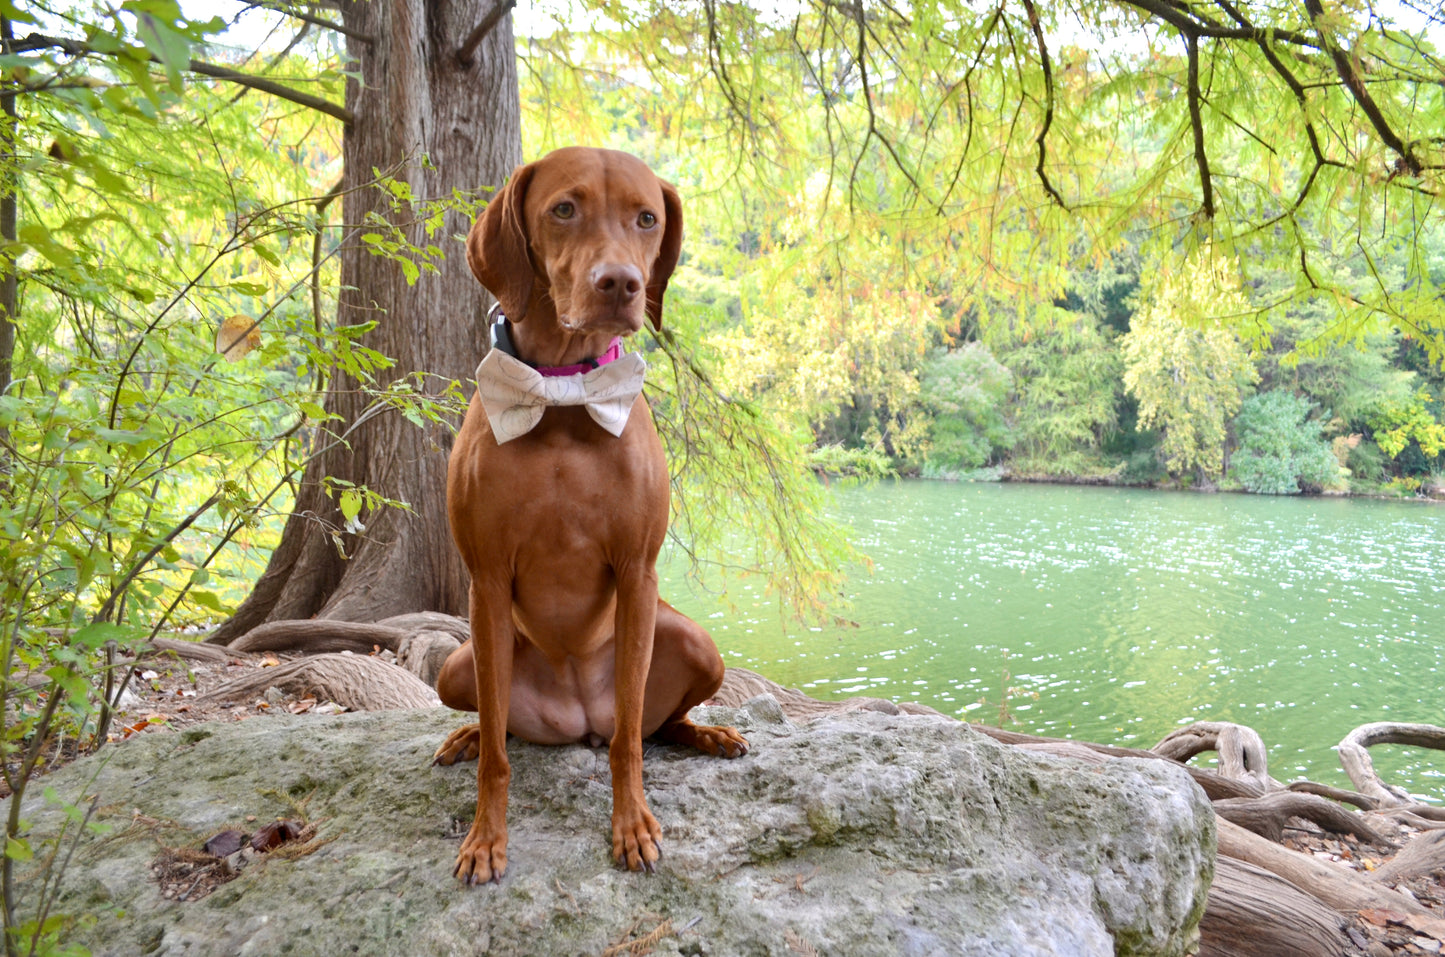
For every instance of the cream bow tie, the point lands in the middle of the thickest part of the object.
(515, 395)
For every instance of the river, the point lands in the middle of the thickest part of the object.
(1119, 614)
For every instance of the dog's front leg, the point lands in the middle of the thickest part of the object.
(483, 855)
(635, 832)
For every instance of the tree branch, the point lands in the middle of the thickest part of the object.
(340, 28)
(1191, 24)
(1353, 82)
(1048, 69)
(75, 48)
(479, 33)
(1298, 89)
(1196, 123)
(278, 90)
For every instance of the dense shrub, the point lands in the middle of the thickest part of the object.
(1279, 449)
(963, 390)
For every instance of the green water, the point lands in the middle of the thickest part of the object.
(1120, 614)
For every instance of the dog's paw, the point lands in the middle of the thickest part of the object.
(707, 738)
(723, 742)
(482, 859)
(460, 745)
(635, 840)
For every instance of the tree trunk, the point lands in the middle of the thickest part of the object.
(9, 299)
(414, 101)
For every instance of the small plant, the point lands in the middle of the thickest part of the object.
(1007, 692)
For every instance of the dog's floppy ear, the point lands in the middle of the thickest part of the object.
(666, 260)
(498, 246)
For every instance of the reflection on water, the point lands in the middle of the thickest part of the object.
(1119, 614)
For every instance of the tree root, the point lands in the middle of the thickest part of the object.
(1252, 912)
(356, 682)
(1268, 815)
(1334, 794)
(1341, 889)
(315, 635)
(1424, 855)
(1356, 758)
(1242, 755)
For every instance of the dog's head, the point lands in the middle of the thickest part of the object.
(590, 233)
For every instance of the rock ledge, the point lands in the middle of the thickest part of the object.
(855, 834)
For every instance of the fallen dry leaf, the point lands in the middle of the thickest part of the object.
(225, 843)
(1429, 926)
(1380, 917)
(275, 834)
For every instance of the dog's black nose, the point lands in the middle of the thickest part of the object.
(619, 282)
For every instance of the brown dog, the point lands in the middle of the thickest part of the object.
(560, 514)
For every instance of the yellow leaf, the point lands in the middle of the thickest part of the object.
(237, 336)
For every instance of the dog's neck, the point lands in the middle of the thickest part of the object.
(543, 342)
(503, 336)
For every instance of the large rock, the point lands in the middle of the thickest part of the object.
(855, 834)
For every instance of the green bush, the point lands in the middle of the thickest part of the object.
(963, 390)
(1367, 463)
(1279, 449)
(866, 463)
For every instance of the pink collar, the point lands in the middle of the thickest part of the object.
(614, 351)
(502, 339)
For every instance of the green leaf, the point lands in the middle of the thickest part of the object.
(94, 635)
(18, 849)
(200, 576)
(207, 599)
(68, 681)
(410, 270)
(350, 504)
(166, 45)
(122, 436)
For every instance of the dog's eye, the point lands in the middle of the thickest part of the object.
(563, 210)
(646, 220)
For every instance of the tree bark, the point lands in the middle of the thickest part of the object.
(1254, 913)
(413, 99)
(1268, 816)
(1334, 886)
(1242, 754)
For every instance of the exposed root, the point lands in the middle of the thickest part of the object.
(1356, 758)
(1334, 794)
(1268, 815)
(1252, 912)
(319, 635)
(357, 682)
(1242, 755)
(1422, 856)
